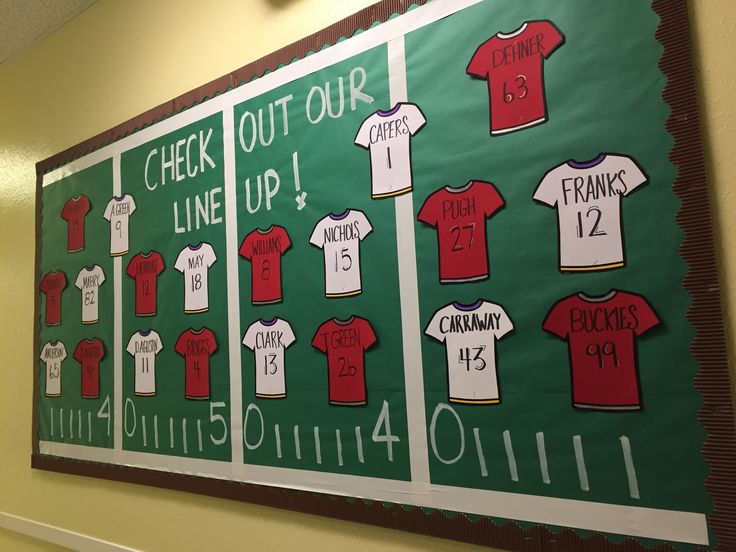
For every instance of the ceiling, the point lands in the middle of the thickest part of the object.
(25, 22)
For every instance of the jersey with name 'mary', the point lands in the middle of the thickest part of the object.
(264, 248)
(89, 280)
(269, 339)
(117, 212)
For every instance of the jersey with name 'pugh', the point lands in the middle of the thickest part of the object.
(387, 135)
(89, 353)
(459, 215)
(145, 268)
(269, 339)
(52, 355)
(345, 342)
(601, 333)
(513, 66)
(588, 201)
(264, 249)
(74, 212)
(89, 280)
(143, 346)
(469, 333)
(117, 212)
(339, 237)
(196, 346)
(52, 285)
(194, 262)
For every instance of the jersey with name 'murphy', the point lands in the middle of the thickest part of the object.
(345, 342)
(117, 212)
(145, 268)
(469, 333)
(196, 346)
(89, 353)
(89, 280)
(52, 284)
(588, 200)
(601, 333)
(264, 249)
(194, 262)
(269, 339)
(52, 355)
(459, 215)
(513, 66)
(74, 212)
(143, 346)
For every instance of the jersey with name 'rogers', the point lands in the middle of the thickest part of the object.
(194, 262)
(144, 346)
(601, 333)
(469, 333)
(74, 212)
(264, 249)
(145, 268)
(459, 215)
(89, 280)
(387, 135)
(118, 211)
(513, 66)
(269, 339)
(588, 201)
(196, 346)
(339, 237)
(345, 342)
(52, 285)
(89, 353)
(52, 355)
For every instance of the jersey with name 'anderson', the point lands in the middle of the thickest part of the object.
(52, 355)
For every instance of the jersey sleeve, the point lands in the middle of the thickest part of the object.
(107, 215)
(43, 286)
(78, 282)
(319, 341)
(63, 351)
(428, 213)
(646, 318)
(433, 328)
(130, 270)
(557, 320)
(130, 349)
(42, 354)
(160, 265)
(552, 37)
(101, 279)
(159, 343)
(210, 257)
(64, 211)
(288, 337)
(132, 206)
(546, 192)
(249, 339)
(77, 354)
(87, 205)
(100, 349)
(633, 176)
(318, 237)
(181, 260)
(504, 323)
(478, 66)
(491, 198)
(63, 280)
(367, 335)
(212, 341)
(364, 224)
(415, 118)
(245, 250)
(363, 138)
(285, 240)
(181, 344)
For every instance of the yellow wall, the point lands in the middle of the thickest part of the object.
(120, 58)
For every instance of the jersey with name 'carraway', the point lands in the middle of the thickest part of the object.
(268, 339)
(74, 212)
(196, 346)
(145, 268)
(52, 284)
(194, 262)
(89, 353)
(118, 212)
(264, 249)
(52, 355)
(89, 280)
(143, 346)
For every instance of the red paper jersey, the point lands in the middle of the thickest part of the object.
(89, 353)
(145, 268)
(460, 214)
(264, 249)
(196, 346)
(601, 333)
(513, 66)
(345, 342)
(74, 211)
(52, 284)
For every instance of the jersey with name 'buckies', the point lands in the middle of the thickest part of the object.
(264, 249)
(194, 262)
(345, 342)
(89, 280)
(387, 135)
(339, 237)
(145, 268)
(269, 339)
(52, 355)
(196, 346)
(588, 200)
(460, 214)
(469, 333)
(513, 66)
(143, 346)
(89, 353)
(74, 212)
(118, 211)
(52, 285)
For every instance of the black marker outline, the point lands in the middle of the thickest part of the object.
(81, 366)
(46, 297)
(199, 246)
(155, 384)
(260, 321)
(202, 330)
(155, 281)
(283, 252)
(84, 226)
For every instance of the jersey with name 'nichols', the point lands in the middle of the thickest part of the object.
(74, 212)
(89, 353)
(145, 268)
(194, 262)
(52, 355)
(269, 339)
(89, 280)
(117, 212)
(469, 333)
(143, 346)
(52, 285)
(264, 248)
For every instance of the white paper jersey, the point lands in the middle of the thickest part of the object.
(144, 346)
(268, 340)
(52, 355)
(89, 281)
(470, 334)
(588, 200)
(387, 135)
(339, 237)
(194, 261)
(118, 212)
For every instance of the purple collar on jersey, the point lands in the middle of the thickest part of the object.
(587, 164)
(466, 308)
(119, 198)
(54, 343)
(269, 322)
(144, 334)
(195, 247)
(390, 112)
(89, 268)
(341, 216)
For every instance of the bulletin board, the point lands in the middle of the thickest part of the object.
(442, 267)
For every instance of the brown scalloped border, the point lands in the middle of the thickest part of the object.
(701, 281)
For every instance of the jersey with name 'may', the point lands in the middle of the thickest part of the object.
(194, 262)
